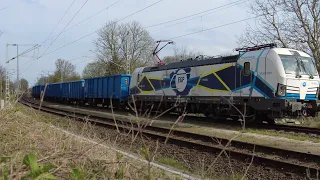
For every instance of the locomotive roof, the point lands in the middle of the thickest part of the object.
(192, 63)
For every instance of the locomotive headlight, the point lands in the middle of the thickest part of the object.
(281, 91)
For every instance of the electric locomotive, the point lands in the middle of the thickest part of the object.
(263, 81)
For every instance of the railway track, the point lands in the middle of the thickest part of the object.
(315, 132)
(285, 128)
(293, 162)
(276, 127)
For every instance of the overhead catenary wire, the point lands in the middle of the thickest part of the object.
(27, 51)
(74, 59)
(93, 32)
(73, 25)
(195, 14)
(106, 8)
(235, 22)
(196, 32)
(200, 16)
(83, 60)
(59, 21)
(101, 28)
(34, 56)
(202, 12)
(66, 26)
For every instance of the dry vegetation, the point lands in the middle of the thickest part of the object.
(32, 147)
(27, 134)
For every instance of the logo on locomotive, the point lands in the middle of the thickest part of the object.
(181, 80)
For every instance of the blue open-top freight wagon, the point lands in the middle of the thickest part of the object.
(73, 90)
(53, 91)
(97, 90)
(108, 87)
(36, 90)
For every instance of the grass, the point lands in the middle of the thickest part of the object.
(313, 122)
(171, 162)
(31, 147)
(295, 136)
(117, 167)
(232, 177)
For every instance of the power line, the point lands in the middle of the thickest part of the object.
(217, 9)
(96, 31)
(235, 22)
(59, 21)
(26, 51)
(77, 58)
(158, 24)
(31, 59)
(89, 17)
(66, 26)
(101, 28)
(83, 61)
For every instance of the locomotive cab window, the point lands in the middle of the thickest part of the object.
(246, 68)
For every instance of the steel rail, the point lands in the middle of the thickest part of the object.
(289, 161)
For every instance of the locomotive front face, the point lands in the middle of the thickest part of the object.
(299, 79)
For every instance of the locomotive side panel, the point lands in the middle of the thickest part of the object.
(210, 80)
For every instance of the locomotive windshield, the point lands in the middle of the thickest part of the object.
(298, 65)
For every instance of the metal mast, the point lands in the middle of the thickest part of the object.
(7, 88)
(7, 102)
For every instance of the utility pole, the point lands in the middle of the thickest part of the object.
(18, 80)
(7, 102)
(17, 57)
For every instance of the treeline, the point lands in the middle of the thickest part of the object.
(288, 23)
(64, 71)
(24, 85)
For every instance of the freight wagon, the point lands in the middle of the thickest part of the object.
(100, 90)
(36, 91)
(53, 91)
(93, 91)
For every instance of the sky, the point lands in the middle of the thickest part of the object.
(29, 22)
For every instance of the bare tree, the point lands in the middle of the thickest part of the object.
(119, 43)
(289, 23)
(180, 54)
(94, 69)
(65, 71)
(43, 80)
(24, 84)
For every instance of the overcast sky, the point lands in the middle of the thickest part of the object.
(31, 21)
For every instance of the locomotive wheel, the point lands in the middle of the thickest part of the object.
(270, 121)
(251, 119)
(264, 117)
